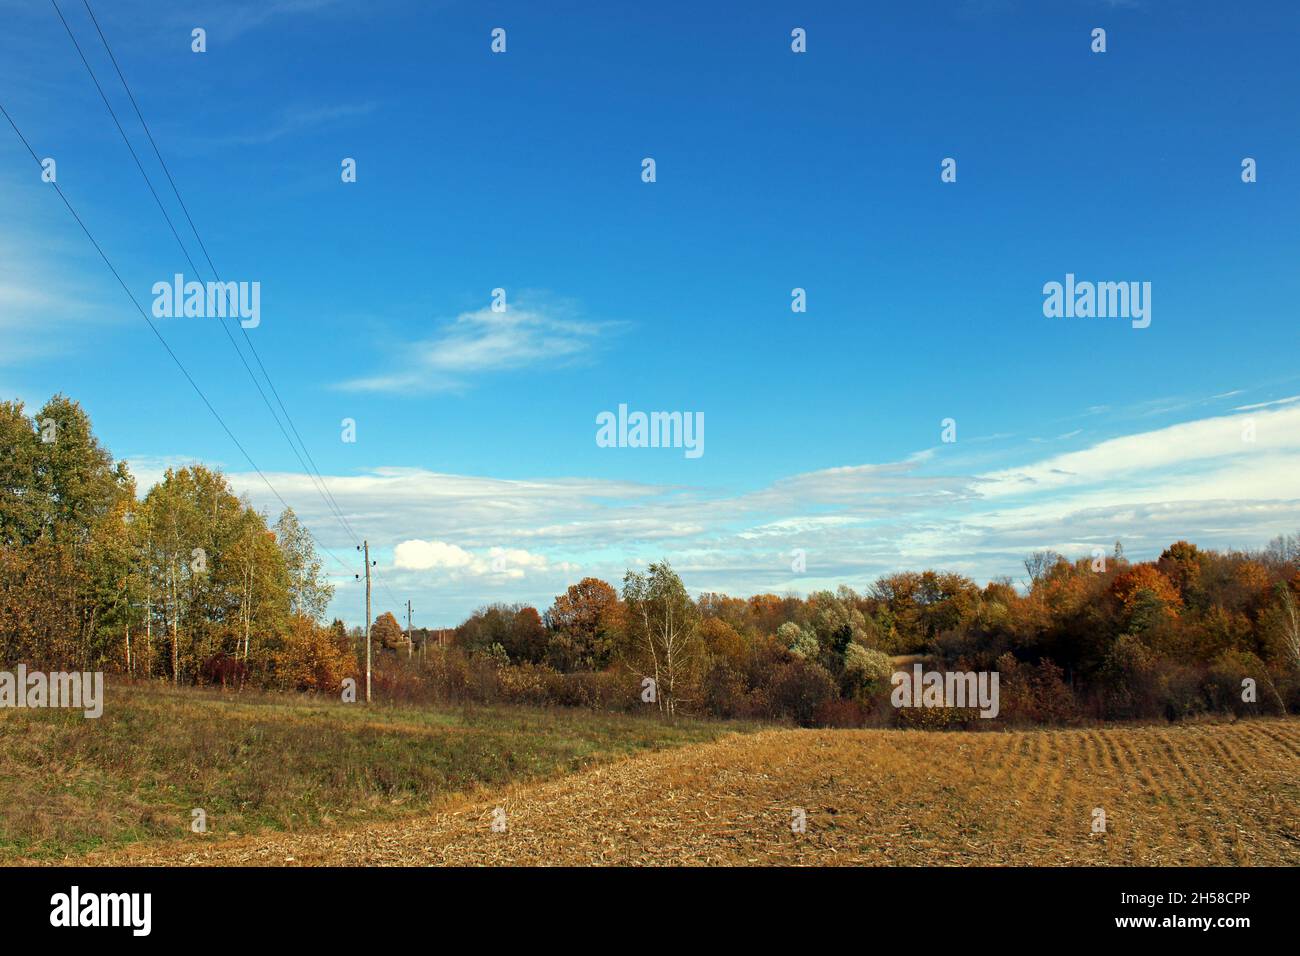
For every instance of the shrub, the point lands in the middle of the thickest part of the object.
(1224, 679)
(1129, 679)
(842, 713)
(866, 672)
(724, 688)
(799, 688)
(1034, 693)
(312, 658)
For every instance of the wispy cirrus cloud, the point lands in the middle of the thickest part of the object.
(1279, 401)
(298, 120)
(485, 341)
(234, 19)
(1178, 448)
(38, 302)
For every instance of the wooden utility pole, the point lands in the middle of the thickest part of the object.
(148, 599)
(366, 547)
(410, 646)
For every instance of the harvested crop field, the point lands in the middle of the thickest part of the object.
(1225, 794)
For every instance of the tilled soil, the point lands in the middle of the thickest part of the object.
(1171, 796)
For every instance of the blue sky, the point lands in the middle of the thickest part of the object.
(476, 475)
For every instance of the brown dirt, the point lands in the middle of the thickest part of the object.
(1182, 795)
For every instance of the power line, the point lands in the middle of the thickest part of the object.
(158, 335)
(315, 478)
(203, 246)
(384, 584)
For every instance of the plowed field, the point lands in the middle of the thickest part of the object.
(1172, 796)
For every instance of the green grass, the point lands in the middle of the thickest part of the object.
(278, 762)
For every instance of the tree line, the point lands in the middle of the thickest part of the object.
(1194, 632)
(190, 584)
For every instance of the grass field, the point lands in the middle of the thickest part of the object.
(264, 762)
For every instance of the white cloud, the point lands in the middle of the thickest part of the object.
(151, 469)
(38, 302)
(525, 540)
(417, 555)
(487, 341)
(1280, 401)
(1176, 446)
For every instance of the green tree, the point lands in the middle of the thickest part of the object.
(309, 592)
(24, 497)
(63, 503)
(662, 638)
(218, 581)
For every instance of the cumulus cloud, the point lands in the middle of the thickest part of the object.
(418, 555)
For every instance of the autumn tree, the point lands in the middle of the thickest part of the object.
(525, 635)
(309, 592)
(217, 579)
(387, 633)
(516, 629)
(63, 501)
(584, 623)
(1182, 563)
(1145, 594)
(312, 657)
(1039, 563)
(723, 641)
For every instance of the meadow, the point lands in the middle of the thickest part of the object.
(258, 762)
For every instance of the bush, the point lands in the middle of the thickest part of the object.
(725, 689)
(596, 690)
(866, 672)
(1129, 680)
(312, 658)
(1034, 694)
(935, 718)
(1178, 690)
(843, 713)
(1224, 681)
(798, 689)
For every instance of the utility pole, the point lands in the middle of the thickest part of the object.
(148, 599)
(410, 647)
(366, 546)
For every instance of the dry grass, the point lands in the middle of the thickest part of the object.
(274, 762)
(1173, 796)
